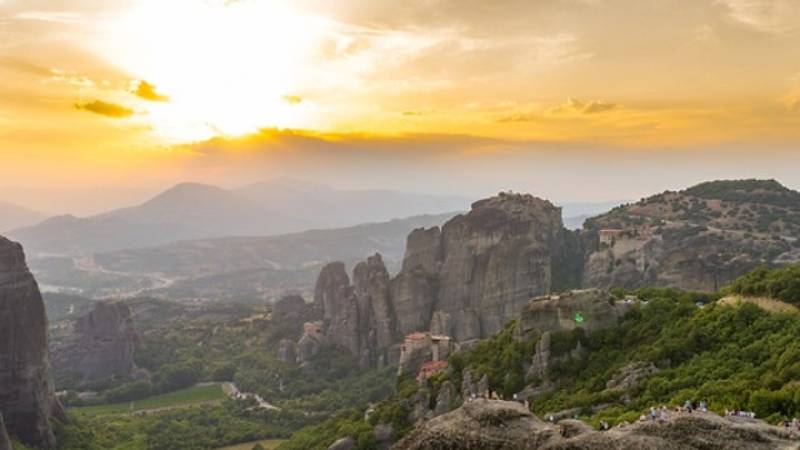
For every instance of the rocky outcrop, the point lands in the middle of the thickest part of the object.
(27, 401)
(630, 375)
(103, 345)
(588, 309)
(701, 238)
(345, 443)
(291, 308)
(376, 317)
(496, 425)
(465, 280)
(420, 348)
(310, 343)
(334, 296)
(507, 250)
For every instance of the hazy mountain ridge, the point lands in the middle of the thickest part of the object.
(232, 266)
(197, 211)
(14, 216)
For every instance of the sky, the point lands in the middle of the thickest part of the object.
(106, 102)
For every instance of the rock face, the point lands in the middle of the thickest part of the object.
(290, 308)
(310, 343)
(465, 280)
(701, 238)
(104, 345)
(496, 425)
(507, 250)
(5, 441)
(589, 309)
(27, 401)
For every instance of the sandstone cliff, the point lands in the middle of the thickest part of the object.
(27, 401)
(5, 441)
(494, 425)
(465, 280)
(102, 346)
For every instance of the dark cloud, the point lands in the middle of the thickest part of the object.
(148, 92)
(105, 109)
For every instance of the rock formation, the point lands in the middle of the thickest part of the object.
(420, 348)
(588, 309)
(291, 308)
(700, 238)
(5, 441)
(27, 401)
(102, 347)
(495, 425)
(465, 280)
(469, 277)
(310, 343)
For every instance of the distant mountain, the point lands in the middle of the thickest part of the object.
(197, 211)
(13, 216)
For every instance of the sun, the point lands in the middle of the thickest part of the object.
(228, 67)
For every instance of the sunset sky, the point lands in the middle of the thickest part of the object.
(569, 99)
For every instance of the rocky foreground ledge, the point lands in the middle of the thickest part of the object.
(496, 425)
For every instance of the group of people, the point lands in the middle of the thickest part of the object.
(690, 405)
(655, 414)
(739, 413)
(791, 425)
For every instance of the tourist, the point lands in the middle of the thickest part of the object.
(653, 414)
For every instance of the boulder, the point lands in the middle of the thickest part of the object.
(345, 443)
(27, 401)
(384, 435)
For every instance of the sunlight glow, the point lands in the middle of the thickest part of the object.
(228, 67)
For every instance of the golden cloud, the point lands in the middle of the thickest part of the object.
(148, 92)
(105, 109)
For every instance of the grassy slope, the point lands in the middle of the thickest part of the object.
(182, 398)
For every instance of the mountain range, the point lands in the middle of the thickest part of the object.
(197, 211)
(13, 216)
